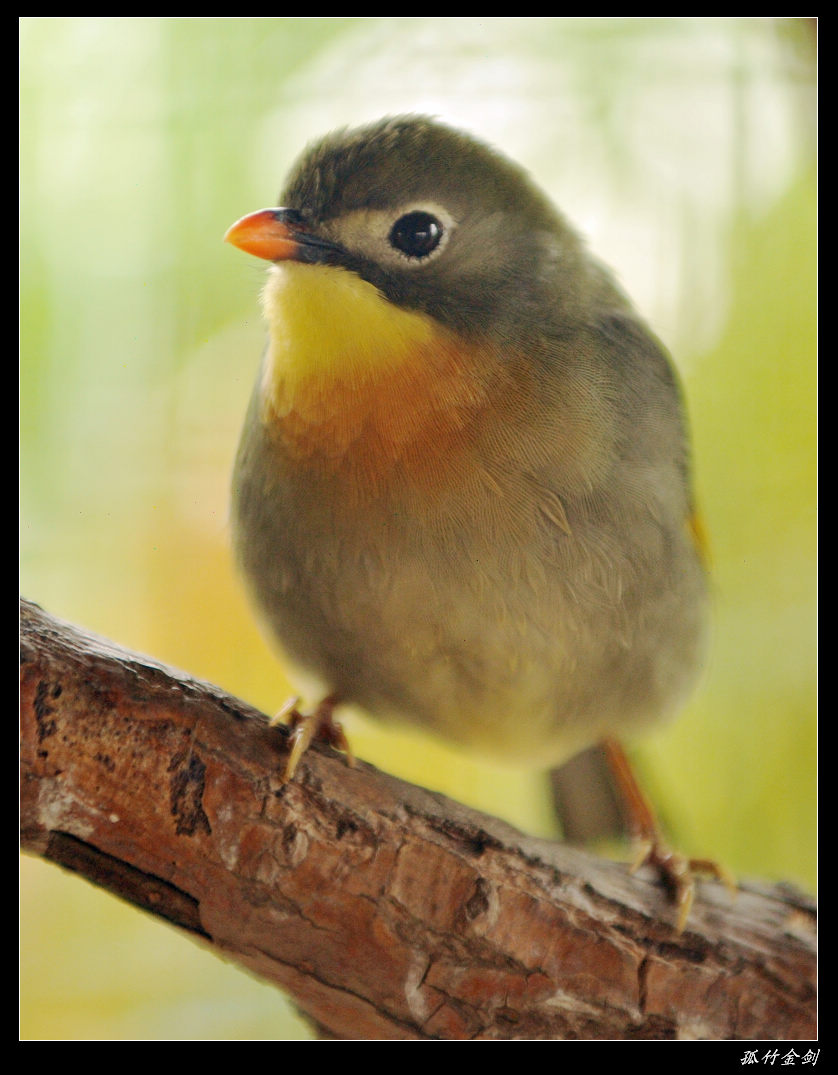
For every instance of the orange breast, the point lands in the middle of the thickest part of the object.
(419, 419)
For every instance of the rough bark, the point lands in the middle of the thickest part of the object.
(385, 910)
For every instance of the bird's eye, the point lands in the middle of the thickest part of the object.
(416, 234)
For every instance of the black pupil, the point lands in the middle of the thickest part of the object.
(416, 234)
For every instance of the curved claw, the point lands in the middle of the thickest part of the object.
(677, 872)
(308, 726)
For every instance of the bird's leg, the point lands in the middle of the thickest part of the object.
(308, 726)
(677, 872)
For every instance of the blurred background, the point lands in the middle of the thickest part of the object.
(684, 149)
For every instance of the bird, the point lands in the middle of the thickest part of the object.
(462, 499)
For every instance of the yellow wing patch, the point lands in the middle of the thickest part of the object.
(698, 533)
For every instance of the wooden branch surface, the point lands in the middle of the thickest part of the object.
(385, 910)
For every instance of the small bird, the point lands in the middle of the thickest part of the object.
(462, 497)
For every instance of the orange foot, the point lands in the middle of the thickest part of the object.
(308, 726)
(677, 872)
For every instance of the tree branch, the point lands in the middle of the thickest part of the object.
(385, 910)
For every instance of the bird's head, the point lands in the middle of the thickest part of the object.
(438, 223)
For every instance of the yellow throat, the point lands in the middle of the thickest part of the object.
(349, 375)
(328, 326)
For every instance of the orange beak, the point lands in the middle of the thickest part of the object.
(266, 234)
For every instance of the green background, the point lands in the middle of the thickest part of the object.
(682, 148)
